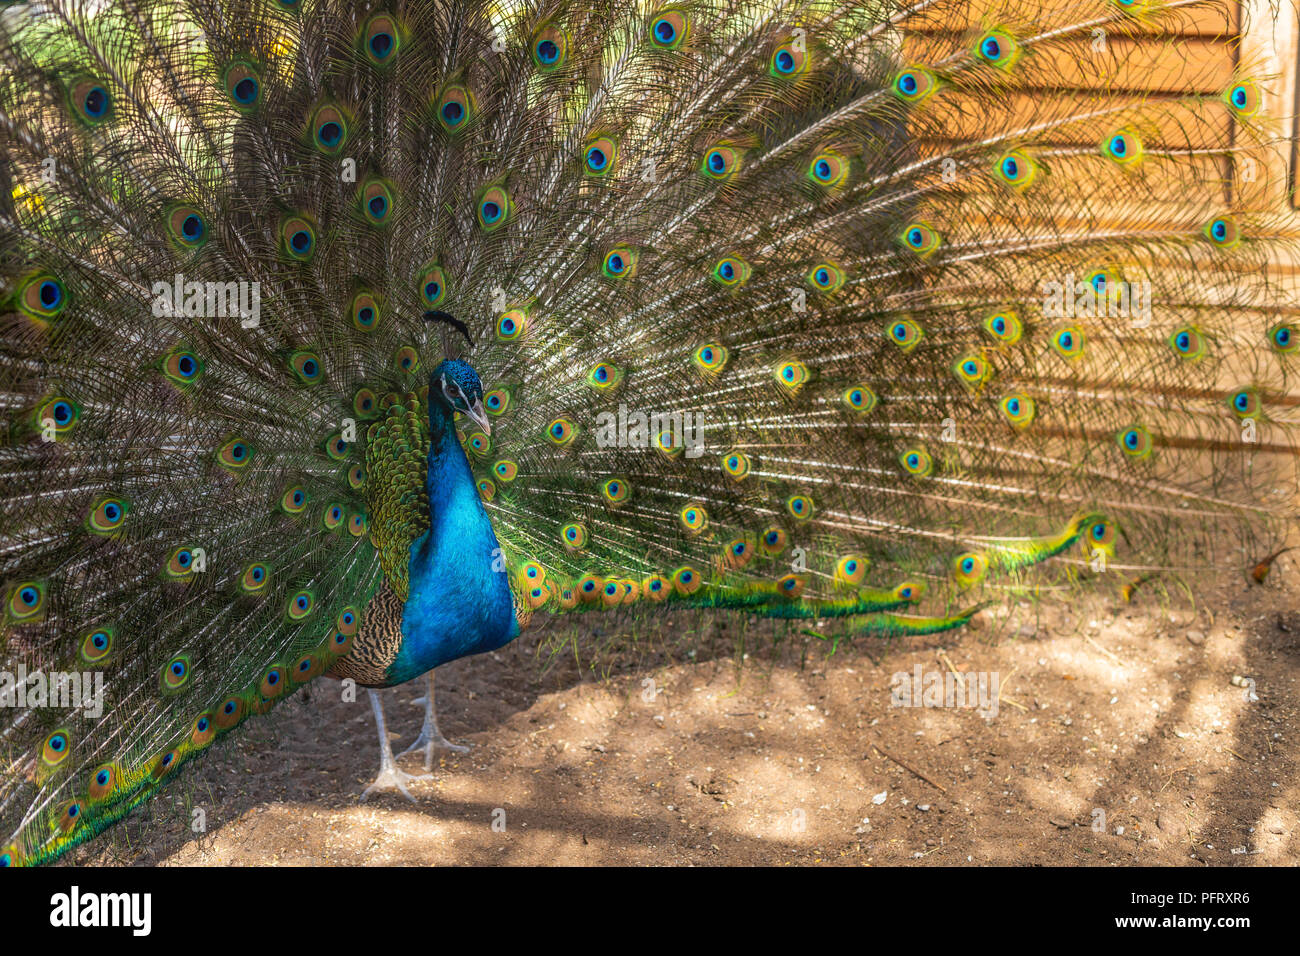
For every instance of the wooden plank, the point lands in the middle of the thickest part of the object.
(1165, 123)
(1211, 18)
(1125, 64)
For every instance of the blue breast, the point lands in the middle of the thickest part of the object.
(459, 601)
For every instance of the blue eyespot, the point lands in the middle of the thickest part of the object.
(907, 84)
(717, 162)
(192, 228)
(491, 211)
(96, 102)
(330, 133)
(665, 32)
(785, 62)
(991, 48)
(300, 241)
(246, 90)
(452, 112)
(548, 52)
(378, 206)
(51, 294)
(381, 44)
(101, 778)
(596, 158)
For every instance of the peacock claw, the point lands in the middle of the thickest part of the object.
(393, 778)
(431, 742)
(431, 737)
(389, 777)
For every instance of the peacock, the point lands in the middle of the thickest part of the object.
(344, 338)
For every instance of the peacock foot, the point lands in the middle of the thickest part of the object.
(429, 742)
(431, 737)
(391, 777)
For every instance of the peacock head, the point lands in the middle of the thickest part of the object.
(461, 391)
(455, 381)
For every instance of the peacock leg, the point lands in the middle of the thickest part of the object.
(390, 777)
(430, 736)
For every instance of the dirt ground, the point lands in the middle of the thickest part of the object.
(1121, 737)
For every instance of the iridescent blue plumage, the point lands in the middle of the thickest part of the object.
(459, 601)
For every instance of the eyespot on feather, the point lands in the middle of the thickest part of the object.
(42, 296)
(90, 101)
(107, 516)
(669, 29)
(432, 284)
(243, 85)
(380, 41)
(493, 209)
(455, 107)
(298, 238)
(550, 48)
(329, 129)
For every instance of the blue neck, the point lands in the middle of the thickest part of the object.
(460, 601)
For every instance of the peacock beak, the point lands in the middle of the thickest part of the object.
(479, 416)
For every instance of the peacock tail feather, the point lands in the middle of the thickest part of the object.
(877, 313)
